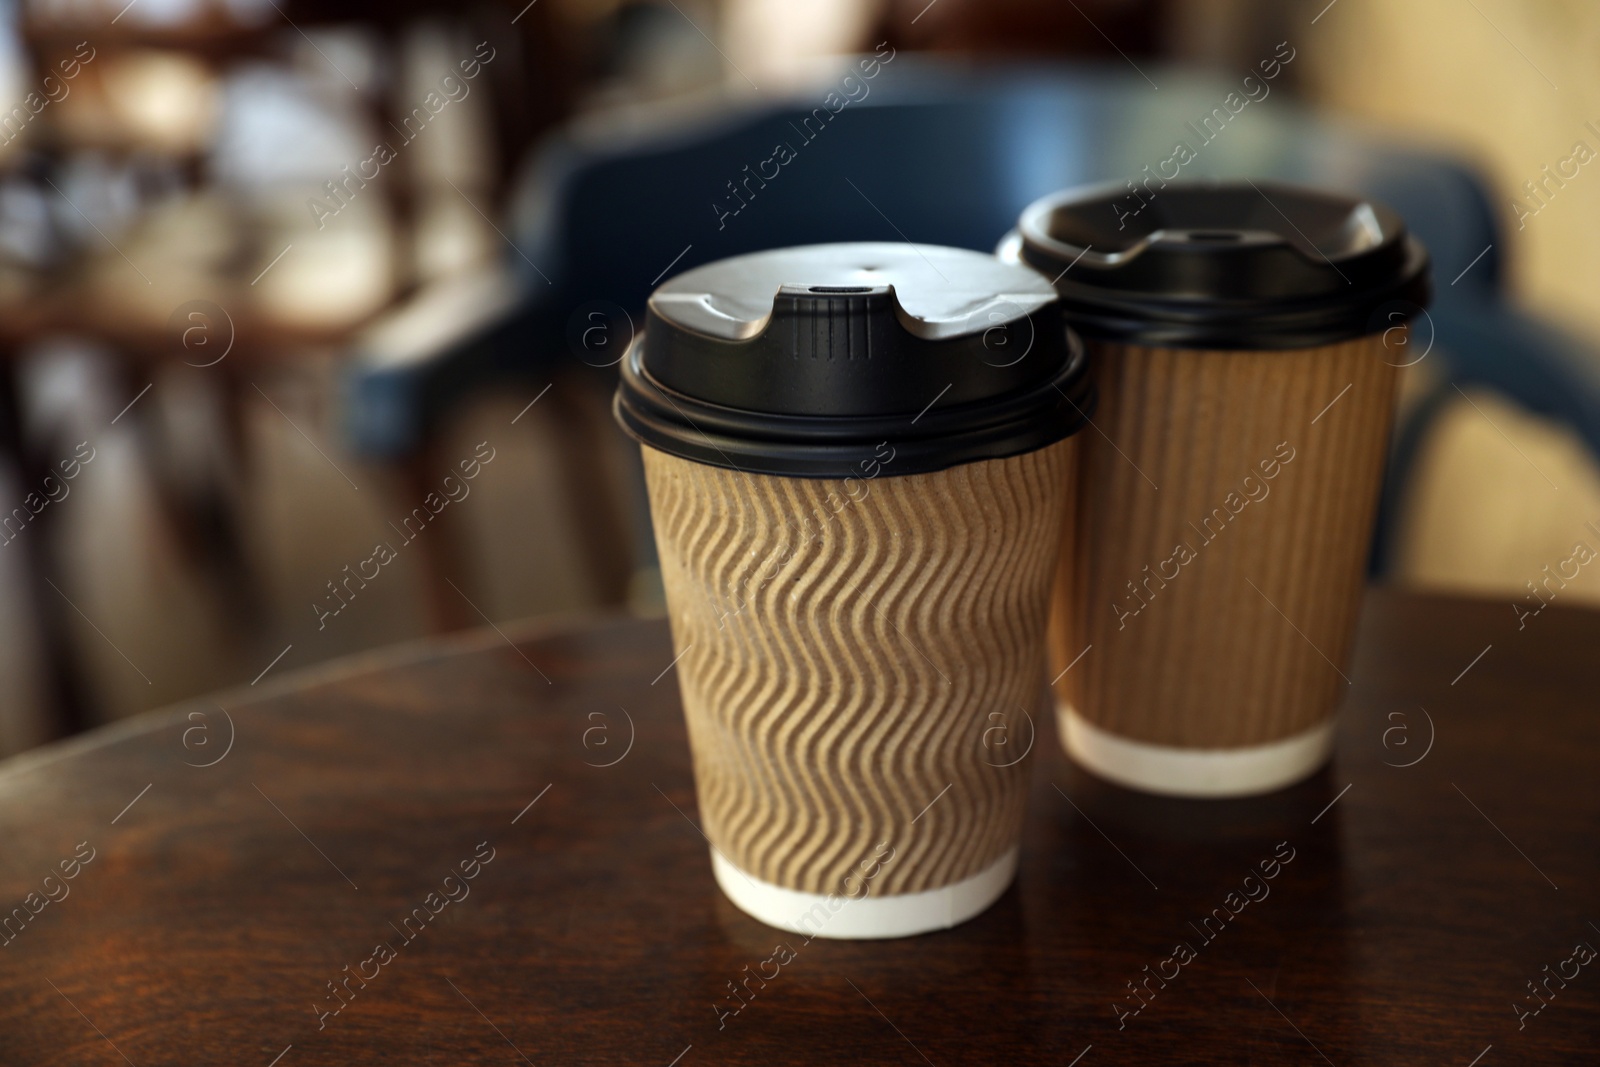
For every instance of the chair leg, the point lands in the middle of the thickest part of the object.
(201, 511)
(37, 543)
(589, 485)
(222, 510)
(1408, 442)
(446, 607)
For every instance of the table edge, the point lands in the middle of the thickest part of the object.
(413, 651)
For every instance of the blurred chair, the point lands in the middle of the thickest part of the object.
(928, 153)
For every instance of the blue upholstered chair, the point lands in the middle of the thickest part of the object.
(923, 152)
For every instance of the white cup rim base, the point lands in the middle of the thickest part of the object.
(898, 915)
(1195, 772)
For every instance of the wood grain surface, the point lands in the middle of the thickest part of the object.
(1224, 513)
(1418, 903)
(847, 648)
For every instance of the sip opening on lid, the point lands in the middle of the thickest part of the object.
(797, 361)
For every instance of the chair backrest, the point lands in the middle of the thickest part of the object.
(931, 154)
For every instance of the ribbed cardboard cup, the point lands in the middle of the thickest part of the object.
(1248, 342)
(853, 622)
(1221, 607)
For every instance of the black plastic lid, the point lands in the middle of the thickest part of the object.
(803, 361)
(1223, 264)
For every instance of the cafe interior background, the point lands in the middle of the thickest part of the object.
(185, 307)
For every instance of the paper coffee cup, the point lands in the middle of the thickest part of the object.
(1248, 339)
(858, 458)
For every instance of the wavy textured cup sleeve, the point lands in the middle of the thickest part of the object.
(848, 649)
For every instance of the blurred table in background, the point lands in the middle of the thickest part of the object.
(139, 221)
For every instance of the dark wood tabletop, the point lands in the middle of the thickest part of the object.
(193, 884)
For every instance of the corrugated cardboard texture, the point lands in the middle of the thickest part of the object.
(1241, 640)
(846, 649)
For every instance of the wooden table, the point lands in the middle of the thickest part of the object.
(221, 901)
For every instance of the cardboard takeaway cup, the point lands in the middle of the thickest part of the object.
(858, 457)
(1248, 339)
